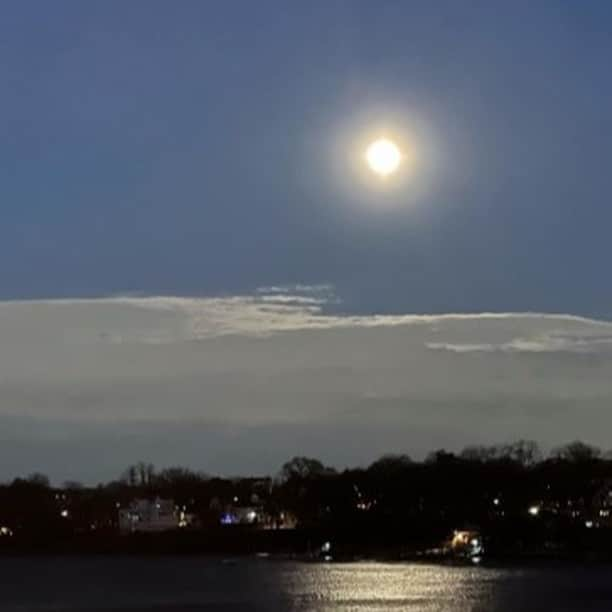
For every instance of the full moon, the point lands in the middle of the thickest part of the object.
(383, 157)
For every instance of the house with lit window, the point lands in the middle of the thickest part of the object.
(152, 515)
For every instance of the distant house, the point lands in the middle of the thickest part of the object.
(241, 515)
(602, 505)
(256, 516)
(152, 515)
(282, 520)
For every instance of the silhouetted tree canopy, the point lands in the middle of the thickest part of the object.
(395, 499)
(179, 475)
(390, 463)
(479, 453)
(576, 452)
(39, 479)
(72, 485)
(142, 474)
(523, 452)
(440, 456)
(301, 468)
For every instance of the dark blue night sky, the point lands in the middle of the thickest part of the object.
(184, 148)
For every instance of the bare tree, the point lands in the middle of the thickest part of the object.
(576, 452)
(303, 467)
(142, 474)
(479, 453)
(525, 452)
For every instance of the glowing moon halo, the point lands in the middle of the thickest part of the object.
(383, 157)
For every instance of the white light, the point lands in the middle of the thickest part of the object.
(64, 513)
(588, 524)
(496, 501)
(534, 510)
(383, 157)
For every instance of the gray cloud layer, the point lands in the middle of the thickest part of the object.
(239, 383)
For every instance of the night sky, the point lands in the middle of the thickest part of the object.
(195, 270)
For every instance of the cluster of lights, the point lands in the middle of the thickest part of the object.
(362, 503)
(498, 509)
(230, 518)
(326, 551)
(460, 538)
(6, 531)
(468, 543)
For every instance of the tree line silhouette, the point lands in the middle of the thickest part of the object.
(521, 500)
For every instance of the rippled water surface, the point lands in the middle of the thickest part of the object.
(187, 584)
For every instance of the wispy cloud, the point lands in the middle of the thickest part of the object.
(298, 289)
(278, 309)
(545, 343)
(305, 307)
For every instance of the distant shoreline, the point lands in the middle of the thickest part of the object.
(290, 545)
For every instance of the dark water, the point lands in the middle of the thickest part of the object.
(190, 584)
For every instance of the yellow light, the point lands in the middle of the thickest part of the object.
(383, 157)
(460, 538)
